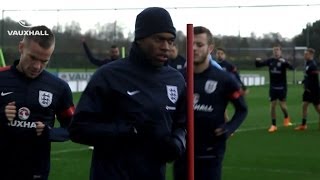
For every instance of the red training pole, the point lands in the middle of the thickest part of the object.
(190, 112)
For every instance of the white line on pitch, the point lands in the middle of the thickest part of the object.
(69, 150)
(286, 171)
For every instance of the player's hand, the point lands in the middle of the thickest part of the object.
(245, 92)
(258, 59)
(219, 131)
(10, 110)
(221, 134)
(40, 127)
(171, 149)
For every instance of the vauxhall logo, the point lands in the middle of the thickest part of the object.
(27, 33)
(21, 122)
(23, 23)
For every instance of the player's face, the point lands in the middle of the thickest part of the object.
(307, 55)
(33, 58)
(220, 55)
(157, 47)
(277, 52)
(173, 52)
(201, 48)
(114, 53)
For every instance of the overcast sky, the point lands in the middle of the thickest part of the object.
(224, 17)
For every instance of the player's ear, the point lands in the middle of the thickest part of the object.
(211, 48)
(21, 45)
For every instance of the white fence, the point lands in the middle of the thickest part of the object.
(76, 80)
(79, 80)
(252, 79)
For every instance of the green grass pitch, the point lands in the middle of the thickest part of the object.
(252, 153)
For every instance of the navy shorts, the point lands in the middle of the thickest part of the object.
(277, 94)
(311, 97)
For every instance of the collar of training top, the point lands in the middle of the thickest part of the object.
(20, 74)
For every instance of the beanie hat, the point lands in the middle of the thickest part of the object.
(153, 20)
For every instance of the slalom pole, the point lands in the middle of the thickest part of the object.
(2, 61)
(190, 112)
(123, 52)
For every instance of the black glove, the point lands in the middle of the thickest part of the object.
(172, 147)
(142, 124)
(126, 129)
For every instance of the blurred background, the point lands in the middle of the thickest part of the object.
(246, 29)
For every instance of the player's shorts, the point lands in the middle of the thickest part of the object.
(311, 97)
(277, 94)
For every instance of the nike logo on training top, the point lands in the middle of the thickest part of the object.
(5, 93)
(131, 93)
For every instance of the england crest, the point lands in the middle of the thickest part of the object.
(172, 92)
(45, 98)
(210, 86)
(278, 64)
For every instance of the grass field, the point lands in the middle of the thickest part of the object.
(252, 153)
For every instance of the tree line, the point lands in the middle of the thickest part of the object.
(241, 51)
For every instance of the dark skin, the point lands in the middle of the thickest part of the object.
(157, 47)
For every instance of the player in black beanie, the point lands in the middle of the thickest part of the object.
(153, 20)
(154, 26)
(133, 110)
